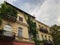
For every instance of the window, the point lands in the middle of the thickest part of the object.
(7, 28)
(30, 36)
(20, 18)
(49, 37)
(45, 37)
(38, 36)
(19, 32)
(39, 26)
(42, 37)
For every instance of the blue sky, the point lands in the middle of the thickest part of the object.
(46, 11)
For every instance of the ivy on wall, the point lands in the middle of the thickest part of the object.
(32, 30)
(7, 11)
(0, 20)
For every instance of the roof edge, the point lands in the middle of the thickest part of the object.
(19, 9)
(42, 23)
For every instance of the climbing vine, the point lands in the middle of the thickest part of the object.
(32, 30)
(0, 20)
(7, 11)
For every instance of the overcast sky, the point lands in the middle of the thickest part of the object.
(46, 11)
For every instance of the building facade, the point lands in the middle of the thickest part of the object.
(44, 33)
(16, 33)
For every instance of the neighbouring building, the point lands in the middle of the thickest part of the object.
(16, 33)
(44, 33)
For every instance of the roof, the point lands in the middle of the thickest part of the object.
(43, 23)
(19, 9)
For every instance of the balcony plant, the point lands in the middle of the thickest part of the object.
(7, 11)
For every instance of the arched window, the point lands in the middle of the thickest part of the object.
(45, 37)
(42, 37)
(7, 27)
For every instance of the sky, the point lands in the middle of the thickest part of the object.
(46, 11)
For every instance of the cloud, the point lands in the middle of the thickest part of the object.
(28, 5)
(42, 15)
(58, 19)
(49, 12)
(11, 1)
(37, 7)
(1, 1)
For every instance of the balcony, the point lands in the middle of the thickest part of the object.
(46, 42)
(6, 35)
(9, 18)
(43, 30)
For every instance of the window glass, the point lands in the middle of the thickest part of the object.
(20, 18)
(49, 37)
(45, 37)
(38, 36)
(42, 37)
(19, 32)
(30, 36)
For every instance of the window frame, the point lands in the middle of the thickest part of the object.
(19, 32)
(20, 19)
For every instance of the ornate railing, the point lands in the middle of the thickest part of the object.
(43, 30)
(7, 35)
(48, 42)
(9, 18)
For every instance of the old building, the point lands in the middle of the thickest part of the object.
(44, 33)
(16, 32)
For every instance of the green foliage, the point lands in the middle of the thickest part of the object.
(8, 10)
(32, 30)
(0, 20)
(56, 34)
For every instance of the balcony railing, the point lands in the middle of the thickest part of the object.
(43, 30)
(46, 42)
(6, 35)
(9, 17)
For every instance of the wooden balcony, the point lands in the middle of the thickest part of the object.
(7, 35)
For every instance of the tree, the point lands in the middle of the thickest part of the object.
(56, 34)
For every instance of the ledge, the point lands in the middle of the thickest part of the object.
(23, 39)
(7, 35)
(22, 23)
